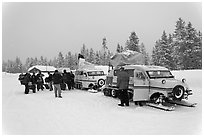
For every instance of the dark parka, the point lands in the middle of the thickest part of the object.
(34, 79)
(57, 78)
(122, 79)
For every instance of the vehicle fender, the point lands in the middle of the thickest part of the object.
(158, 91)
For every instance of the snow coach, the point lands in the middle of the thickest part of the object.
(154, 85)
(89, 78)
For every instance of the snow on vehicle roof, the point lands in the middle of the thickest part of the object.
(89, 70)
(42, 68)
(145, 67)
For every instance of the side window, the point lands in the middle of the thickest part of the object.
(130, 72)
(79, 72)
(139, 75)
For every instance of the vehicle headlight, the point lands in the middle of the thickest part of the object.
(163, 81)
(183, 80)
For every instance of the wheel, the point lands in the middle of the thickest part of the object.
(114, 93)
(101, 82)
(91, 86)
(106, 92)
(178, 93)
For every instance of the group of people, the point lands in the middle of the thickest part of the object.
(30, 82)
(56, 80)
(59, 80)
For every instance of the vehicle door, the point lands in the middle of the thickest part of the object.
(141, 86)
(85, 79)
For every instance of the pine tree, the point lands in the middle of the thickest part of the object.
(18, 66)
(83, 50)
(171, 65)
(70, 60)
(97, 58)
(179, 38)
(190, 54)
(60, 60)
(92, 56)
(162, 52)
(133, 42)
(103, 55)
(119, 48)
(156, 59)
(145, 54)
(28, 63)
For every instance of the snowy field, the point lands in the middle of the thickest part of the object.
(84, 113)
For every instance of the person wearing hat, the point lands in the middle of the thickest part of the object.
(122, 84)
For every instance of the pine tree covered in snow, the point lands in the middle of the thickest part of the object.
(91, 56)
(119, 48)
(60, 60)
(162, 52)
(187, 46)
(144, 52)
(133, 42)
(182, 50)
(179, 42)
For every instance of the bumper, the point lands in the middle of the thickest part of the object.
(185, 94)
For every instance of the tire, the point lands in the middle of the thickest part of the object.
(101, 82)
(106, 92)
(178, 93)
(91, 86)
(114, 93)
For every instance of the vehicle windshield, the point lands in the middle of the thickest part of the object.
(95, 73)
(160, 74)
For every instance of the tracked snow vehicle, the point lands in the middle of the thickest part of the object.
(154, 85)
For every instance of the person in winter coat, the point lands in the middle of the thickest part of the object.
(69, 82)
(122, 84)
(34, 82)
(50, 81)
(40, 81)
(26, 81)
(57, 79)
(65, 78)
(72, 80)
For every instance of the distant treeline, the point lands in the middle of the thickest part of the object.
(180, 50)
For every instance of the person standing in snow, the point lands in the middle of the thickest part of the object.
(34, 81)
(26, 82)
(122, 84)
(72, 80)
(50, 81)
(40, 81)
(68, 80)
(57, 80)
(65, 78)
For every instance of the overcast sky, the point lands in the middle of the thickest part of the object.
(35, 29)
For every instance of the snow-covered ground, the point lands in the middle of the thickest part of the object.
(81, 112)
